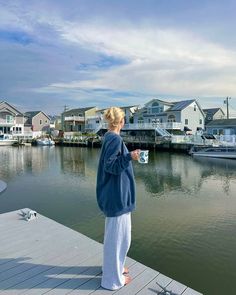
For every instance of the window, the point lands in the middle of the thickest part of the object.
(195, 108)
(140, 120)
(9, 119)
(200, 121)
(40, 122)
(156, 108)
(46, 121)
(186, 122)
(171, 118)
(221, 131)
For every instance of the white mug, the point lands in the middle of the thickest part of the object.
(143, 156)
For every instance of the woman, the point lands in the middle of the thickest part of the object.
(116, 199)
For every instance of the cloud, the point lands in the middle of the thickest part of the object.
(59, 53)
(157, 61)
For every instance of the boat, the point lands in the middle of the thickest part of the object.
(226, 152)
(45, 141)
(7, 139)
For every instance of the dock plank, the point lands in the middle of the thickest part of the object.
(44, 257)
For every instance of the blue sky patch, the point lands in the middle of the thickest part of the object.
(104, 62)
(16, 37)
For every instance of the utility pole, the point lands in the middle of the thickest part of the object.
(66, 108)
(227, 106)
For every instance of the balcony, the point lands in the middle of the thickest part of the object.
(166, 125)
(7, 123)
(74, 119)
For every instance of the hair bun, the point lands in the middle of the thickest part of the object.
(114, 116)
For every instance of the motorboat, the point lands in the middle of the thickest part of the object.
(227, 152)
(6, 139)
(45, 141)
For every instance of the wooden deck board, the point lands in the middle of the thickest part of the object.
(44, 257)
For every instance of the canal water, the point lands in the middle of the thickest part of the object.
(185, 222)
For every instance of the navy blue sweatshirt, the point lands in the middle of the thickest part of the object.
(115, 177)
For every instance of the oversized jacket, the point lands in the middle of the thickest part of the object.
(115, 178)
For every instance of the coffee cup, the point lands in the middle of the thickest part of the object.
(143, 157)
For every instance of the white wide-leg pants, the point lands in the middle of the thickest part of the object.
(117, 240)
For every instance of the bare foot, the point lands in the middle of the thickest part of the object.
(126, 271)
(128, 279)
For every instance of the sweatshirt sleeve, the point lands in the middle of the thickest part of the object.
(114, 161)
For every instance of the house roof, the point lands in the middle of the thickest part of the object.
(125, 107)
(32, 114)
(162, 101)
(180, 105)
(222, 123)
(18, 113)
(212, 111)
(78, 110)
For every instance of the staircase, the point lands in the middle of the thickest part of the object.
(162, 132)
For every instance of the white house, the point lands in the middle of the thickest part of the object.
(97, 122)
(11, 120)
(184, 115)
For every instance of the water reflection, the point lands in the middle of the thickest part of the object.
(79, 162)
(168, 172)
(185, 206)
(19, 160)
(223, 169)
(164, 174)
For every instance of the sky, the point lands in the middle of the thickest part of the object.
(81, 53)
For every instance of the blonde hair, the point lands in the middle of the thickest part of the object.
(114, 116)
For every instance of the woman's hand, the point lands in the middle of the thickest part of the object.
(135, 155)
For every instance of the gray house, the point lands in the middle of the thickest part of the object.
(74, 120)
(222, 127)
(213, 114)
(11, 119)
(37, 121)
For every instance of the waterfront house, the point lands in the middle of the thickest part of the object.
(55, 125)
(213, 114)
(74, 120)
(222, 129)
(55, 122)
(97, 122)
(182, 116)
(11, 120)
(37, 122)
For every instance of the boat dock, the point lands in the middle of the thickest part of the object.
(42, 256)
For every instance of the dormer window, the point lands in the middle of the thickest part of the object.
(155, 107)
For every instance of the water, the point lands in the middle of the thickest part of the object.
(185, 222)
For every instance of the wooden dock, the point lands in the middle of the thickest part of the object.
(42, 256)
